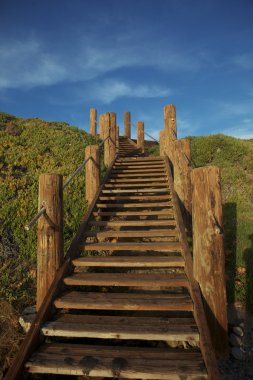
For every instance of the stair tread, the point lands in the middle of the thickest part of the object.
(137, 190)
(133, 205)
(128, 279)
(114, 327)
(133, 213)
(134, 223)
(150, 246)
(137, 185)
(129, 233)
(126, 362)
(125, 301)
(130, 261)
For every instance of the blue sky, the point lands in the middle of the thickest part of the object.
(59, 58)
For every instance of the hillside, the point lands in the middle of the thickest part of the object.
(29, 147)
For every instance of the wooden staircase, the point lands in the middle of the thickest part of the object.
(128, 306)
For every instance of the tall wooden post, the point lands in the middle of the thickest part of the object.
(112, 140)
(127, 124)
(170, 128)
(140, 135)
(101, 127)
(50, 233)
(208, 252)
(93, 121)
(92, 172)
(107, 142)
(162, 142)
(182, 176)
(117, 139)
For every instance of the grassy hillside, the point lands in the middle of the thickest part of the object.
(29, 147)
(235, 158)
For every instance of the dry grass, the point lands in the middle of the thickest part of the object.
(10, 335)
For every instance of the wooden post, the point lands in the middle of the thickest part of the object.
(127, 124)
(107, 143)
(140, 135)
(170, 128)
(208, 252)
(92, 172)
(50, 233)
(93, 121)
(112, 140)
(101, 127)
(117, 139)
(182, 177)
(162, 142)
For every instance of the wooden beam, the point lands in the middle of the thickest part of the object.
(92, 172)
(198, 311)
(182, 177)
(208, 252)
(50, 233)
(101, 127)
(93, 121)
(33, 338)
(127, 124)
(140, 136)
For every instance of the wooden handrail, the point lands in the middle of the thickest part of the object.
(199, 312)
(32, 338)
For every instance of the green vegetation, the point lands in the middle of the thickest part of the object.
(235, 158)
(28, 148)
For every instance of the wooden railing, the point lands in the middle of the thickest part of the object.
(199, 194)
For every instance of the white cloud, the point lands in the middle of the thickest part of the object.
(29, 63)
(25, 64)
(110, 90)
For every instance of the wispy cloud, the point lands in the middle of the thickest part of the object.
(30, 63)
(25, 64)
(110, 90)
(244, 61)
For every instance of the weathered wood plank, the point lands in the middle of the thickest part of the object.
(124, 301)
(208, 252)
(199, 313)
(153, 246)
(130, 261)
(127, 279)
(133, 223)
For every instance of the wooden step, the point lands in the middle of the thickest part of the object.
(134, 205)
(114, 327)
(133, 223)
(127, 180)
(127, 279)
(130, 261)
(132, 234)
(136, 185)
(129, 175)
(136, 197)
(153, 246)
(145, 190)
(138, 171)
(125, 301)
(168, 212)
(117, 362)
(136, 165)
(141, 159)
